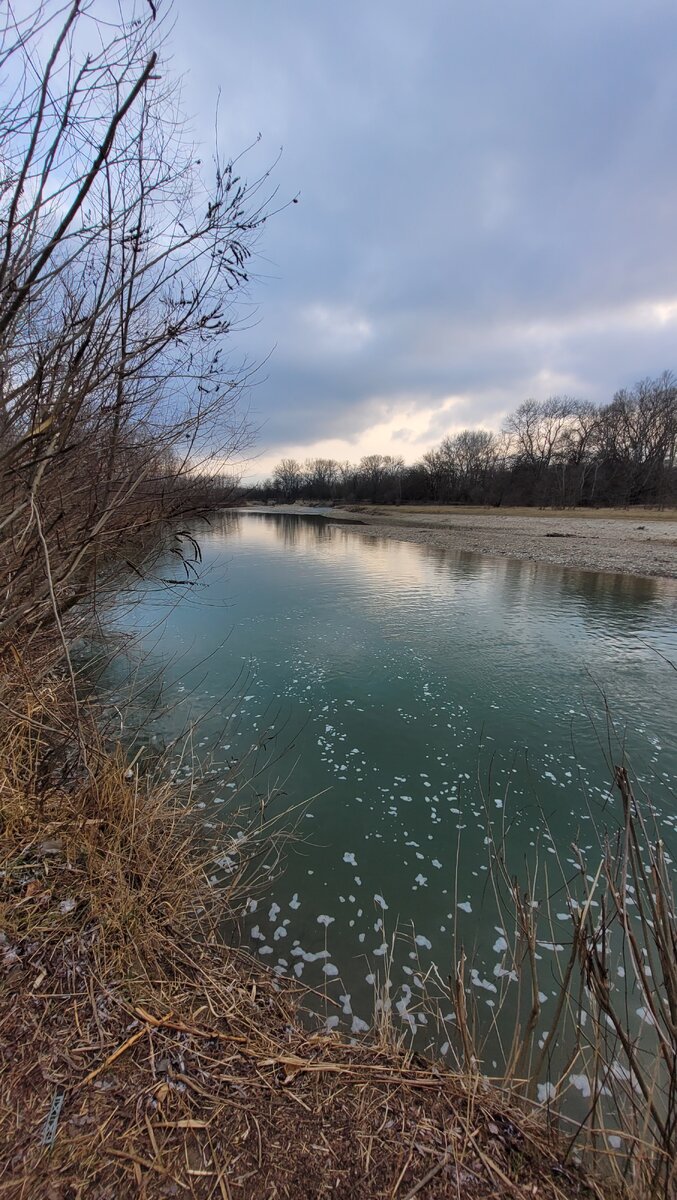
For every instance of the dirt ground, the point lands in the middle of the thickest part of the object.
(624, 541)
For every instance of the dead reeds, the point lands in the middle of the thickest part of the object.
(601, 1056)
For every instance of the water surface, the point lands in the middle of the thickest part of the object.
(428, 700)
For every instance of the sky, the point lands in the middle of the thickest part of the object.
(487, 207)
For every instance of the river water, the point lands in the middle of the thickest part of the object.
(422, 706)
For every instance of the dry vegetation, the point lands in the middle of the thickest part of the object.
(615, 969)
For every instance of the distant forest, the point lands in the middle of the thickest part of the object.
(561, 452)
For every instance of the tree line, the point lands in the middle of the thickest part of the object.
(561, 452)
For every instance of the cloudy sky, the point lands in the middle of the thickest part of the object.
(487, 206)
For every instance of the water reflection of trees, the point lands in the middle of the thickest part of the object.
(224, 523)
(599, 589)
(618, 595)
(631, 589)
(292, 529)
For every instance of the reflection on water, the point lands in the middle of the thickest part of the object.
(425, 695)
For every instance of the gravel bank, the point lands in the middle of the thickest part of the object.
(645, 545)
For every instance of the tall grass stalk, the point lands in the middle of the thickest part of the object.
(606, 1064)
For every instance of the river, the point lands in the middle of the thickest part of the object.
(422, 707)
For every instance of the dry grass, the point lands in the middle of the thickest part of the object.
(611, 1029)
(177, 1065)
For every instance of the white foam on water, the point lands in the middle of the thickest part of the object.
(502, 972)
(478, 982)
(582, 1084)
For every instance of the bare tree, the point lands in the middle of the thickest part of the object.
(639, 432)
(288, 478)
(536, 429)
(346, 479)
(436, 466)
(379, 476)
(120, 260)
(476, 452)
(321, 477)
(577, 452)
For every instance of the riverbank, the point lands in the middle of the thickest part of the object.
(626, 541)
(145, 1056)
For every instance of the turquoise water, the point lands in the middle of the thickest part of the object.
(423, 703)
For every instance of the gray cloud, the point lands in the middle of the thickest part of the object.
(488, 201)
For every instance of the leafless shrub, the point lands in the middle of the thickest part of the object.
(119, 266)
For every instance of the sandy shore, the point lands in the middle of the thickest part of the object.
(629, 543)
